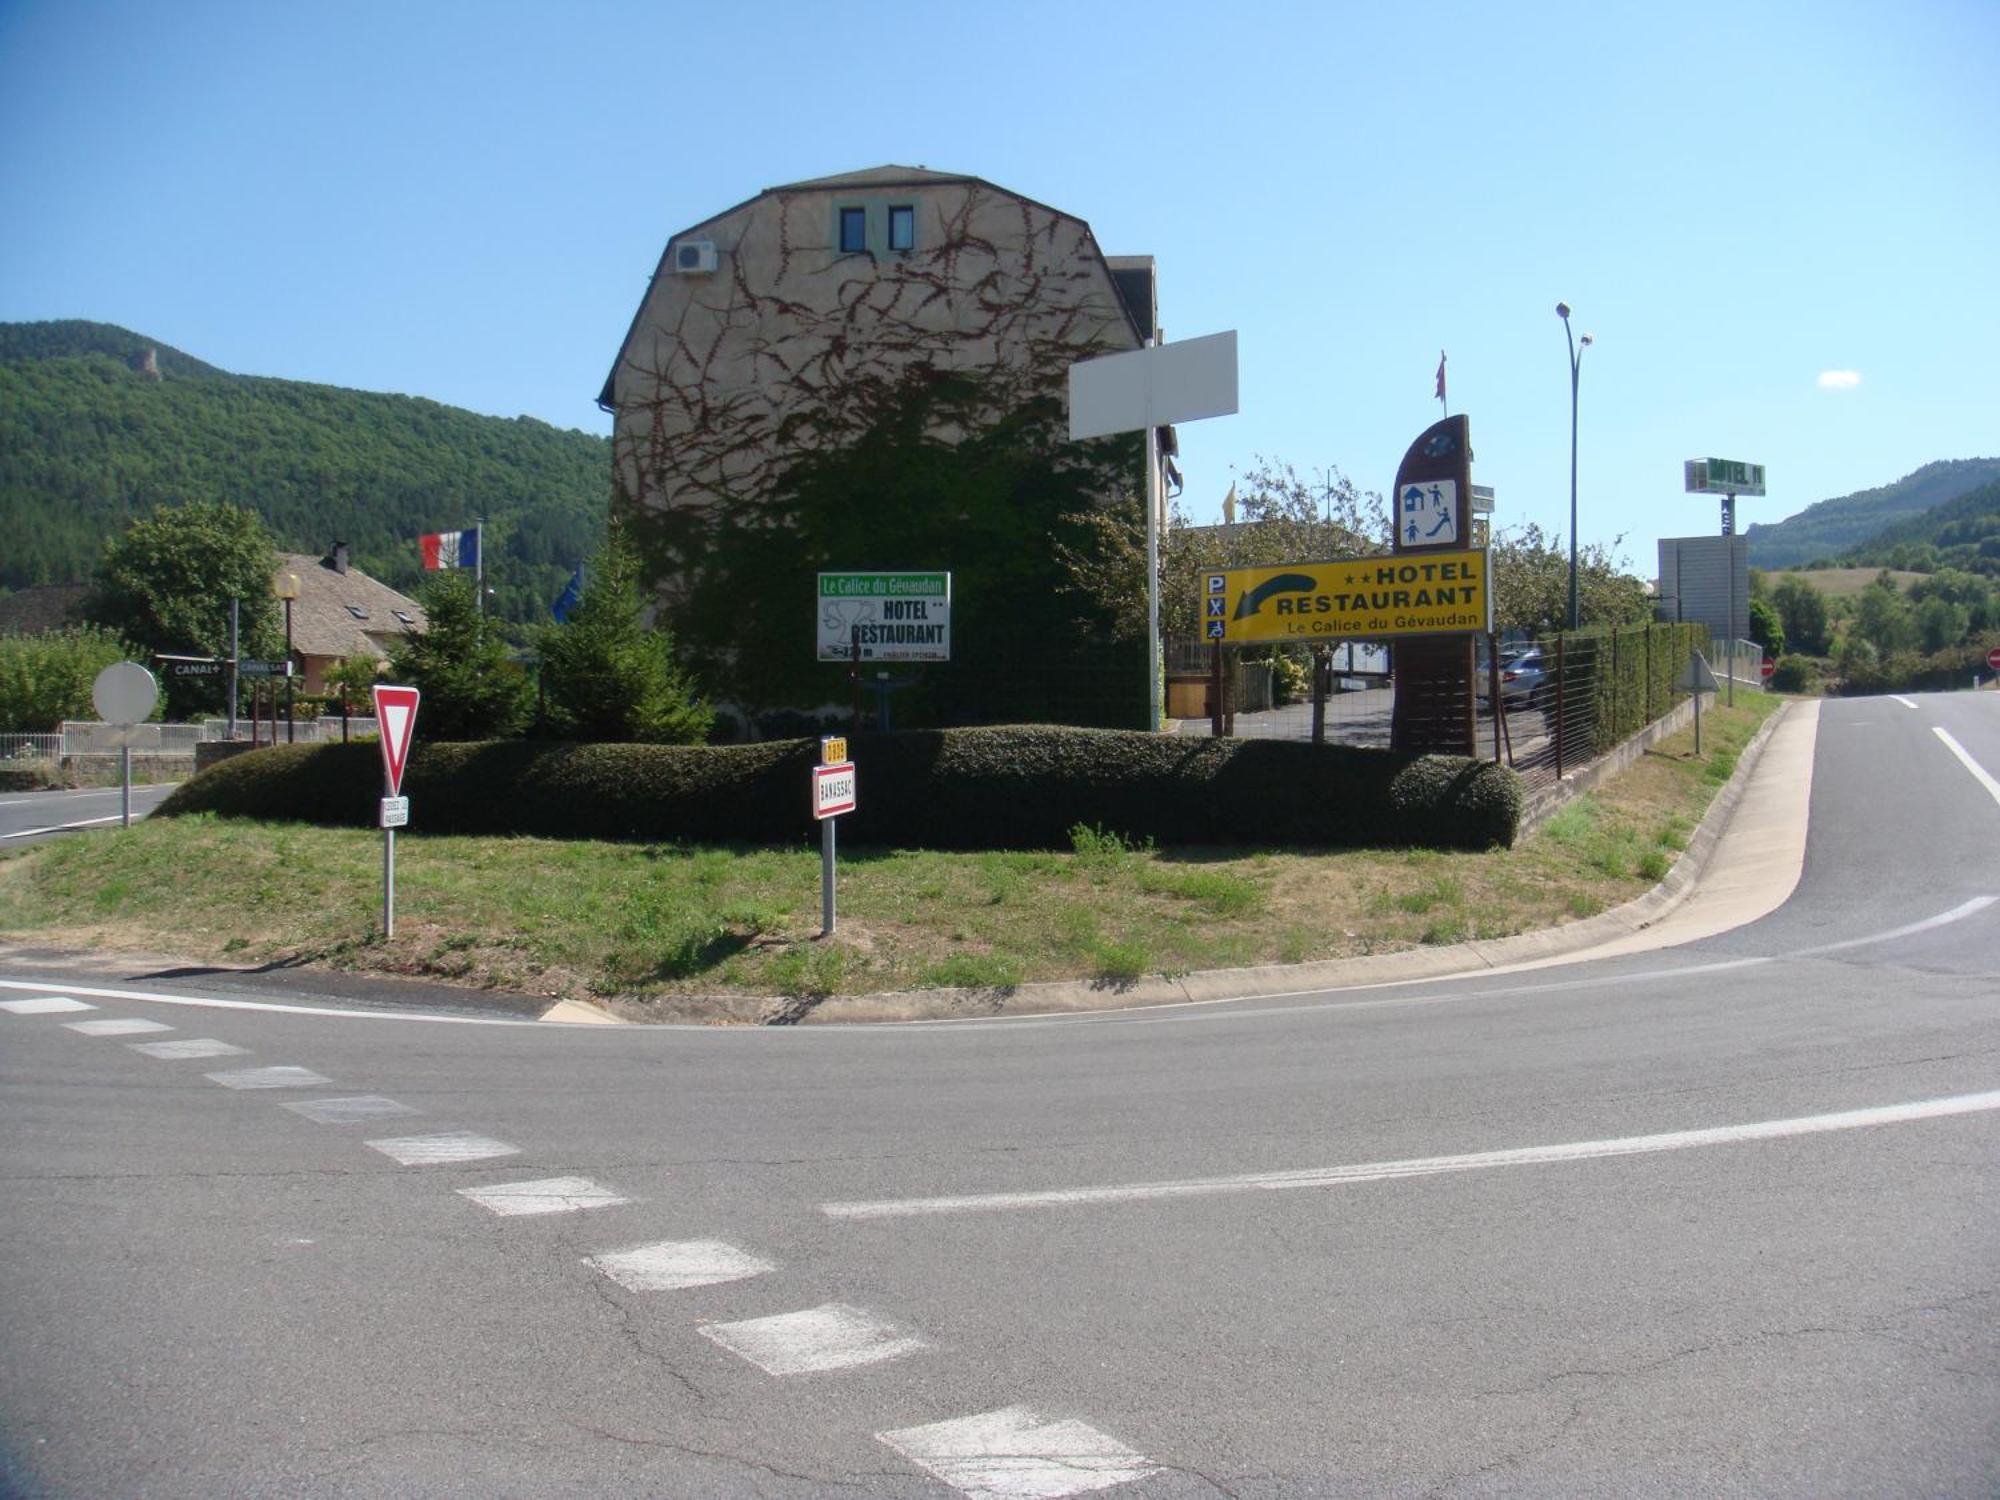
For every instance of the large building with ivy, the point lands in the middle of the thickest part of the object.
(868, 371)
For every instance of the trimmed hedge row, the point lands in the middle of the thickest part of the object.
(1005, 788)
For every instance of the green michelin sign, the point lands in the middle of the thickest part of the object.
(890, 616)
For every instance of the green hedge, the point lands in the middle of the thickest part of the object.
(1005, 788)
(1633, 672)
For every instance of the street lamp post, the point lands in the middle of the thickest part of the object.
(1575, 368)
(287, 589)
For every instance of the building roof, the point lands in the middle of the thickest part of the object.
(345, 614)
(1130, 292)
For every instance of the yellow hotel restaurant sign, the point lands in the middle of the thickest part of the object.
(1358, 598)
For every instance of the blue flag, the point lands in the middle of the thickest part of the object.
(572, 595)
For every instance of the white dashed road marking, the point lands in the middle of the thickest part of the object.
(1979, 772)
(1427, 1166)
(450, 1146)
(1014, 1453)
(1906, 702)
(831, 1337)
(675, 1264)
(44, 1005)
(284, 1077)
(347, 1111)
(131, 1027)
(547, 1195)
(185, 1047)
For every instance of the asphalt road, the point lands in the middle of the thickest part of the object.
(1499, 1235)
(31, 817)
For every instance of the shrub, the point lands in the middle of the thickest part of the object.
(1795, 674)
(1008, 788)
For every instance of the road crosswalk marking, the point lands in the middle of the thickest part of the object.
(347, 1111)
(127, 1026)
(281, 1077)
(1013, 1452)
(547, 1195)
(449, 1146)
(185, 1047)
(44, 1005)
(673, 1265)
(830, 1337)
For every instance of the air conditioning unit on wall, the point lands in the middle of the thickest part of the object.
(693, 258)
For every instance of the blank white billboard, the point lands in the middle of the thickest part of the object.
(1154, 387)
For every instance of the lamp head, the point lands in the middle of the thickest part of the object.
(1562, 311)
(286, 586)
(1587, 340)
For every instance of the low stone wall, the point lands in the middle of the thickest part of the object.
(214, 752)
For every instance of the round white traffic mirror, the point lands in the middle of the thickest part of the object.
(124, 693)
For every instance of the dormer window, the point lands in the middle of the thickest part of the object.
(853, 230)
(357, 611)
(902, 227)
(406, 617)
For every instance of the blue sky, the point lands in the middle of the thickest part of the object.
(464, 201)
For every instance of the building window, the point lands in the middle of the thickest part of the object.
(406, 617)
(357, 611)
(853, 230)
(902, 227)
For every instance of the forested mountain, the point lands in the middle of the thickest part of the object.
(1830, 528)
(1962, 533)
(90, 436)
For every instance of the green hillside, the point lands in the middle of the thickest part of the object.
(1830, 528)
(87, 441)
(1962, 533)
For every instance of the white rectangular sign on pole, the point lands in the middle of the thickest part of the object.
(1154, 387)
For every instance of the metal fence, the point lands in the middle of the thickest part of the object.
(30, 746)
(1563, 699)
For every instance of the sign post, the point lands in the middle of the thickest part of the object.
(1142, 391)
(123, 694)
(396, 713)
(833, 794)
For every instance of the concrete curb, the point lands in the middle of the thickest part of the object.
(1060, 997)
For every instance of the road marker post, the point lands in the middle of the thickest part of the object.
(833, 794)
(396, 716)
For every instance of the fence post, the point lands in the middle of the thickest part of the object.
(1322, 683)
(1561, 683)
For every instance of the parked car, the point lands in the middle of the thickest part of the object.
(1524, 678)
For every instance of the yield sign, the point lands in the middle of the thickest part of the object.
(396, 713)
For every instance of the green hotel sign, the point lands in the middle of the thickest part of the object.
(1723, 476)
(887, 616)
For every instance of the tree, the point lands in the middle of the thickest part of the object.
(1802, 614)
(47, 678)
(165, 586)
(1765, 627)
(1883, 619)
(609, 676)
(471, 690)
(352, 677)
(1531, 584)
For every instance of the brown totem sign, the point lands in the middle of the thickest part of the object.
(1432, 508)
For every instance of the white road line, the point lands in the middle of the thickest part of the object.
(212, 1002)
(282, 1077)
(1906, 702)
(673, 1265)
(547, 1195)
(830, 1337)
(44, 1005)
(347, 1111)
(28, 833)
(194, 1046)
(129, 1026)
(1014, 1453)
(1943, 919)
(1980, 773)
(1426, 1166)
(44, 798)
(449, 1146)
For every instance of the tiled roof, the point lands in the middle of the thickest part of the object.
(325, 621)
(46, 606)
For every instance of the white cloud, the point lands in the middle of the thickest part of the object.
(1839, 380)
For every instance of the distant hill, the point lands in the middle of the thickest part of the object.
(90, 436)
(1832, 527)
(1962, 533)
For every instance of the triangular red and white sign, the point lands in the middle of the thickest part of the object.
(396, 716)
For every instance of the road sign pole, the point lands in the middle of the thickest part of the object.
(125, 799)
(388, 882)
(232, 667)
(826, 903)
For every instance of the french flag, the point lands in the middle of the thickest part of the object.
(450, 549)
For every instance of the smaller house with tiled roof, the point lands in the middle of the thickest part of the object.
(342, 612)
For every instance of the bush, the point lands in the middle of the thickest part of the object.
(1795, 674)
(1010, 788)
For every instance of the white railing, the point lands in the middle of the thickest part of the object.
(31, 746)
